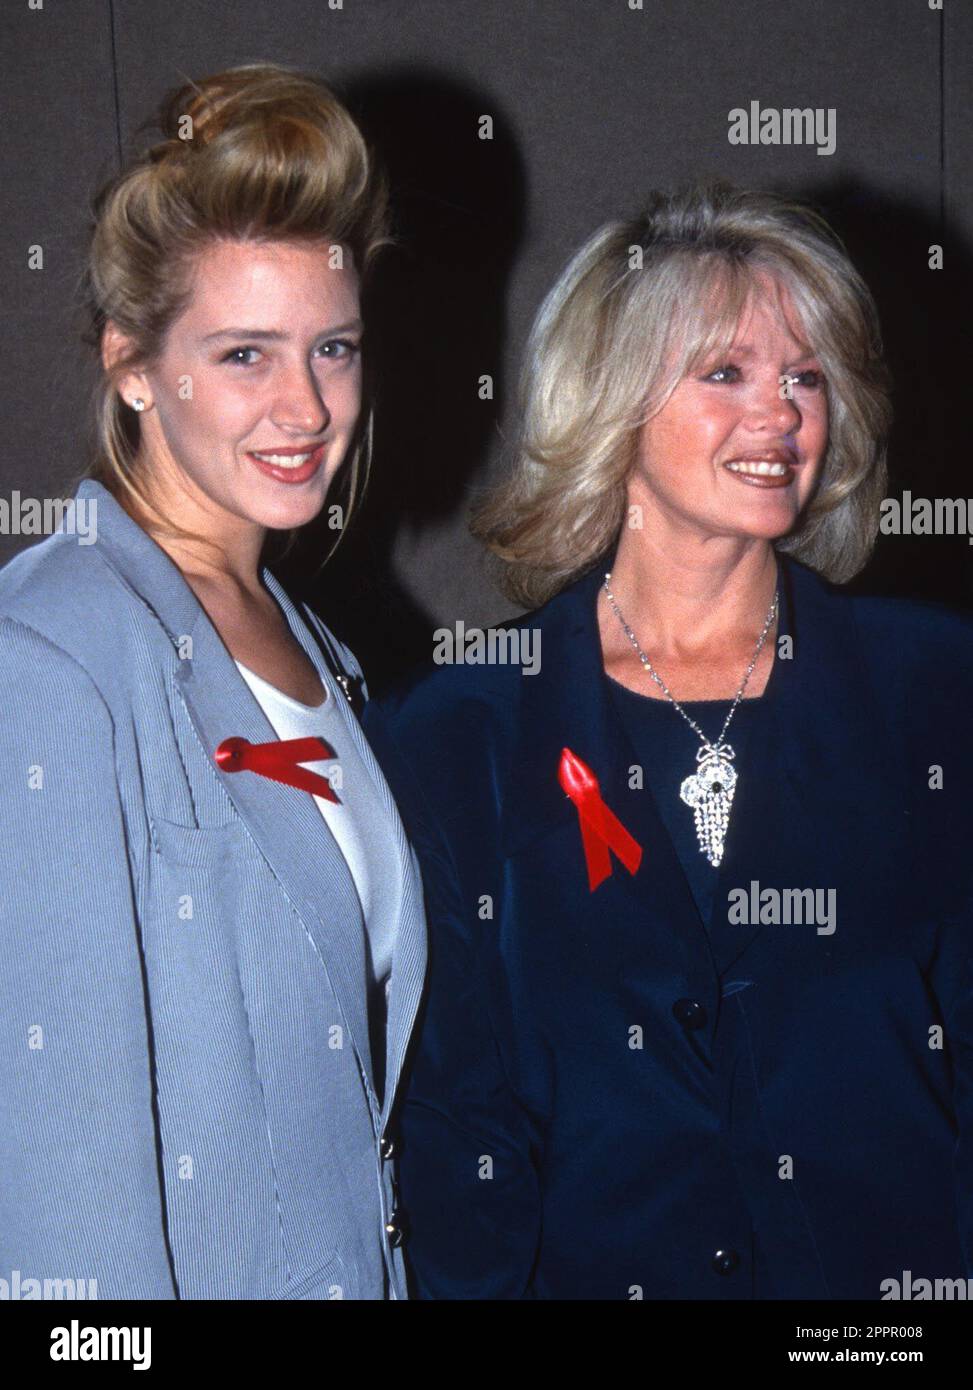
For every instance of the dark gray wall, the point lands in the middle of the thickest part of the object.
(593, 103)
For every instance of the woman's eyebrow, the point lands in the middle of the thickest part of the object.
(277, 335)
(744, 350)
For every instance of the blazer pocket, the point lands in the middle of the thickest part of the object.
(329, 1282)
(202, 846)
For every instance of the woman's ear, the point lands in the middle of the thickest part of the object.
(114, 345)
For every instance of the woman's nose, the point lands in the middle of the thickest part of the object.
(300, 404)
(774, 407)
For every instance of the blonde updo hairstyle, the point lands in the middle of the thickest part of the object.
(640, 305)
(258, 152)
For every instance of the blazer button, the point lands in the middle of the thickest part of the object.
(725, 1261)
(690, 1013)
(395, 1229)
(386, 1147)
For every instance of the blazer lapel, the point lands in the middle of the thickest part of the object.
(284, 822)
(788, 813)
(567, 704)
(756, 829)
(409, 949)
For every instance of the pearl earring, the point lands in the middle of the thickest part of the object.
(138, 403)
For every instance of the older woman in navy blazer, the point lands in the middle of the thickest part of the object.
(209, 977)
(645, 1070)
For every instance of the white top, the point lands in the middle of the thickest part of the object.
(360, 824)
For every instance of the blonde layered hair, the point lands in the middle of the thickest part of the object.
(639, 306)
(258, 152)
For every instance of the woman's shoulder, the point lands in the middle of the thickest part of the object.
(924, 634)
(455, 717)
(474, 689)
(473, 673)
(64, 593)
(444, 733)
(440, 698)
(897, 633)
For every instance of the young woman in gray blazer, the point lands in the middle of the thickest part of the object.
(211, 919)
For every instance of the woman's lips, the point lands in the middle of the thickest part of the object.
(774, 469)
(298, 468)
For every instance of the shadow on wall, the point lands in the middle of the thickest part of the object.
(435, 323)
(923, 315)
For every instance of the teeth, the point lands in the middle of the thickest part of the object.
(284, 461)
(761, 467)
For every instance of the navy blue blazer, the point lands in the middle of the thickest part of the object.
(613, 1099)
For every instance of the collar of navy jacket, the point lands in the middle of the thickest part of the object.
(284, 822)
(785, 822)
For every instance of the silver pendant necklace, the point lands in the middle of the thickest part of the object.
(709, 790)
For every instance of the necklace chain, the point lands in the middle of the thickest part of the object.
(771, 615)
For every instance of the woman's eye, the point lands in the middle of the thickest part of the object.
(725, 374)
(812, 378)
(345, 348)
(334, 350)
(234, 354)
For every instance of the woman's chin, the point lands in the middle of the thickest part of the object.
(290, 512)
(769, 521)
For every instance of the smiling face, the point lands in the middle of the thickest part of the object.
(728, 454)
(270, 344)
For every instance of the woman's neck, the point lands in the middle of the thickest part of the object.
(230, 561)
(711, 595)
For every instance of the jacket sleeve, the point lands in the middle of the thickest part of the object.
(467, 1166)
(80, 1195)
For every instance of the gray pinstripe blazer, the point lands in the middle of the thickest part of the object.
(186, 1096)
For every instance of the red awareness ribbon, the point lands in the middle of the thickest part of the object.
(279, 760)
(601, 830)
